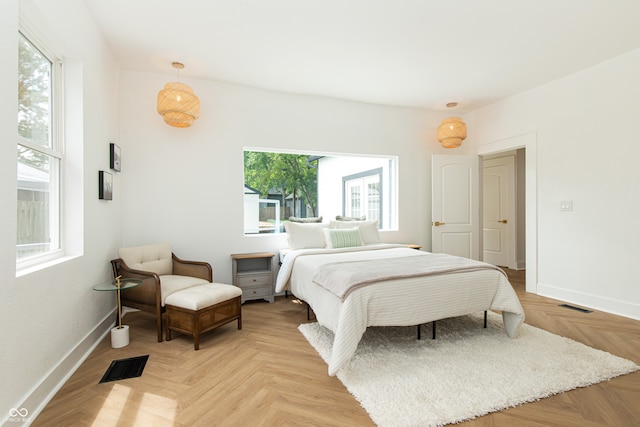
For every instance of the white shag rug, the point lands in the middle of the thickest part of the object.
(468, 371)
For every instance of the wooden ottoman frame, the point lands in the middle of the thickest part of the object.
(196, 322)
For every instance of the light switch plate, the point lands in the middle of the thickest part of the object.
(566, 206)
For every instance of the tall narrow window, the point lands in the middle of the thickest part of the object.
(373, 199)
(39, 152)
(355, 198)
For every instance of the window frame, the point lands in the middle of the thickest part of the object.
(55, 151)
(331, 198)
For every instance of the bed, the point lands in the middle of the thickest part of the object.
(401, 296)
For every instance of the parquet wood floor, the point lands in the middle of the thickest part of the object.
(268, 375)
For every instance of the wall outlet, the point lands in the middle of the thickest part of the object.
(566, 206)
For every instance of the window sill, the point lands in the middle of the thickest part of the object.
(25, 271)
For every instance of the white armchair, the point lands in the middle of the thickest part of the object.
(162, 274)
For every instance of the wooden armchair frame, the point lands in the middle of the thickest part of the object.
(148, 295)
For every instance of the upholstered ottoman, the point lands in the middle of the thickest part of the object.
(202, 308)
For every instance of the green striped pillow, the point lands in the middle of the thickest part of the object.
(342, 237)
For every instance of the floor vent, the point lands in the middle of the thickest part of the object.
(125, 368)
(573, 307)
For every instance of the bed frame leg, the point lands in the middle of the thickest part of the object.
(308, 315)
(433, 328)
(418, 331)
(485, 319)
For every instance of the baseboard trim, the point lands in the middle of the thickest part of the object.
(619, 308)
(41, 394)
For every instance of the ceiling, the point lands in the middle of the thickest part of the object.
(413, 53)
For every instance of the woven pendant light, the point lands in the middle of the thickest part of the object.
(177, 103)
(451, 132)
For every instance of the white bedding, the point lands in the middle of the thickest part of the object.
(397, 302)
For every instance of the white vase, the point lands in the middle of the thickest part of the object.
(120, 336)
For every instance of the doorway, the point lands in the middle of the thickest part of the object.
(528, 142)
(503, 209)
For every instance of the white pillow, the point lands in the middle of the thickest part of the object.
(342, 237)
(305, 235)
(368, 229)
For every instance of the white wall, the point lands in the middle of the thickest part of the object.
(51, 317)
(183, 185)
(587, 152)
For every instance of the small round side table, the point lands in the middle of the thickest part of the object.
(120, 333)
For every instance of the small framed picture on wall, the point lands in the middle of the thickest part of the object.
(105, 185)
(114, 157)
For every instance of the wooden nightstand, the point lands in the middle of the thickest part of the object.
(252, 272)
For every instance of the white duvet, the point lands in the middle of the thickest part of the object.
(397, 302)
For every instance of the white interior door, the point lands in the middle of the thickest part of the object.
(529, 143)
(456, 205)
(498, 211)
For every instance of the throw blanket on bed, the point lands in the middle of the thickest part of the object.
(341, 278)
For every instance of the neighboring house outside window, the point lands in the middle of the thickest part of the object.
(40, 153)
(363, 194)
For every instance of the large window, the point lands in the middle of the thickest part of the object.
(40, 153)
(279, 185)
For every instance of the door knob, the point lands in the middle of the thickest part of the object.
(504, 221)
(438, 223)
